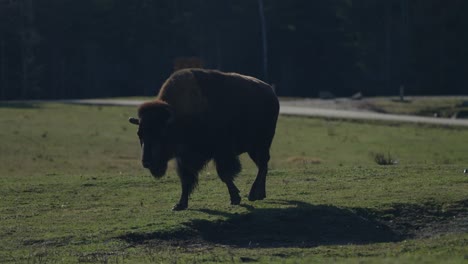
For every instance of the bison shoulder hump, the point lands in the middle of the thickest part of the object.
(182, 92)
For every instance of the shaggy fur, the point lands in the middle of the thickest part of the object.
(202, 115)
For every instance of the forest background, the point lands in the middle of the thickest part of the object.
(104, 48)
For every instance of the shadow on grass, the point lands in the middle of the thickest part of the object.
(18, 105)
(300, 225)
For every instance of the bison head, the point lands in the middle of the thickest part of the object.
(154, 131)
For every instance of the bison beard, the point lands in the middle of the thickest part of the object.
(202, 115)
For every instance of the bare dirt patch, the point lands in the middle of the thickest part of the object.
(427, 220)
(304, 160)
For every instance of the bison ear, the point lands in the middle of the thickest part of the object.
(134, 120)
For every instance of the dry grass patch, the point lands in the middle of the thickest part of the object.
(304, 160)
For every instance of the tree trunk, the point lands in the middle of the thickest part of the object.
(28, 40)
(219, 53)
(3, 61)
(404, 50)
(388, 45)
(442, 51)
(264, 40)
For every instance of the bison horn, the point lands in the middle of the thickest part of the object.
(134, 121)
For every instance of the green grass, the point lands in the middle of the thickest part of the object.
(72, 190)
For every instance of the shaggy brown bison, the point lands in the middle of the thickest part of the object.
(202, 115)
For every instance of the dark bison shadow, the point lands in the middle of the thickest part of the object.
(300, 225)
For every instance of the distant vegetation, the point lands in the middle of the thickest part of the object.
(97, 48)
(422, 106)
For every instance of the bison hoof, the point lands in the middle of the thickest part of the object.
(253, 196)
(235, 200)
(179, 207)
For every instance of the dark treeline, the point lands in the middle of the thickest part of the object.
(95, 48)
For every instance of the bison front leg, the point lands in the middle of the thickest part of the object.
(188, 183)
(188, 174)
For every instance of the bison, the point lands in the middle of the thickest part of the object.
(202, 115)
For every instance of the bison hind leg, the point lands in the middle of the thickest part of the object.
(258, 190)
(227, 168)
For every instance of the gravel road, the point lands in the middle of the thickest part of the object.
(338, 108)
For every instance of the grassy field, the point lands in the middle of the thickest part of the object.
(73, 190)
